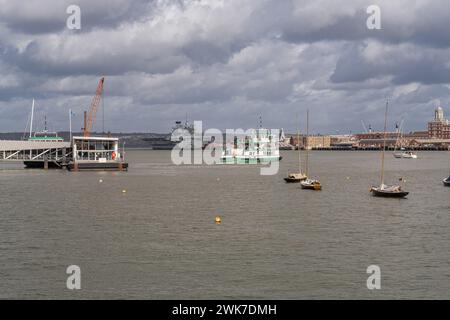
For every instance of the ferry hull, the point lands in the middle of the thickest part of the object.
(40, 165)
(98, 166)
(245, 160)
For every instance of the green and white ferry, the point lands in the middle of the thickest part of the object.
(254, 147)
(46, 137)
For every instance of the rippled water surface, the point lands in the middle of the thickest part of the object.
(158, 240)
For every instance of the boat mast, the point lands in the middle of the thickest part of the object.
(400, 135)
(298, 148)
(70, 125)
(307, 144)
(31, 122)
(384, 144)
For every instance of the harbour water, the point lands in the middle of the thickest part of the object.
(158, 240)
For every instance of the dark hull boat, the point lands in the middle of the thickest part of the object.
(295, 178)
(396, 192)
(446, 182)
(383, 190)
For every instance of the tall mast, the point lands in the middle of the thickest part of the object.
(32, 115)
(70, 124)
(307, 144)
(398, 140)
(298, 147)
(384, 143)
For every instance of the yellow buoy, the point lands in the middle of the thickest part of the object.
(124, 191)
(218, 220)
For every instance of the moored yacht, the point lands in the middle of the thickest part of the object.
(298, 176)
(308, 183)
(384, 190)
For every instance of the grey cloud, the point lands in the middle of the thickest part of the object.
(46, 16)
(405, 63)
(225, 62)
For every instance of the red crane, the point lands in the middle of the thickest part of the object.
(89, 122)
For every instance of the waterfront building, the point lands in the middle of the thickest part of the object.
(376, 140)
(314, 142)
(317, 142)
(430, 144)
(439, 128)
(343, 142)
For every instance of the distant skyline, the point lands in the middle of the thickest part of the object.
(225, 63)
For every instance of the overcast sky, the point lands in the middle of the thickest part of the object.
(225, 62)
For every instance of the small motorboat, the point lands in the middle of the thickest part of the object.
(311, 184)
(388, 191)
(295, 177)
(409, 155)
(446, 182)
(405, 155)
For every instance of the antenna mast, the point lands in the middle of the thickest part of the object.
(31, 122)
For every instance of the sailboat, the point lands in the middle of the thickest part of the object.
(298, 176)
(384, 190)
(402, 154)
(311, 184)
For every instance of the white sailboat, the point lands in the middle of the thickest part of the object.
(402, 154)
(308, 183)
(297, 176)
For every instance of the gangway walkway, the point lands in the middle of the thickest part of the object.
(56, 152)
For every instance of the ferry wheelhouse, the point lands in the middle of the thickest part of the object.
(97, 153)
(257, 146)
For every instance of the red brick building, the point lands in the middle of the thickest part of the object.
(440, 127)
